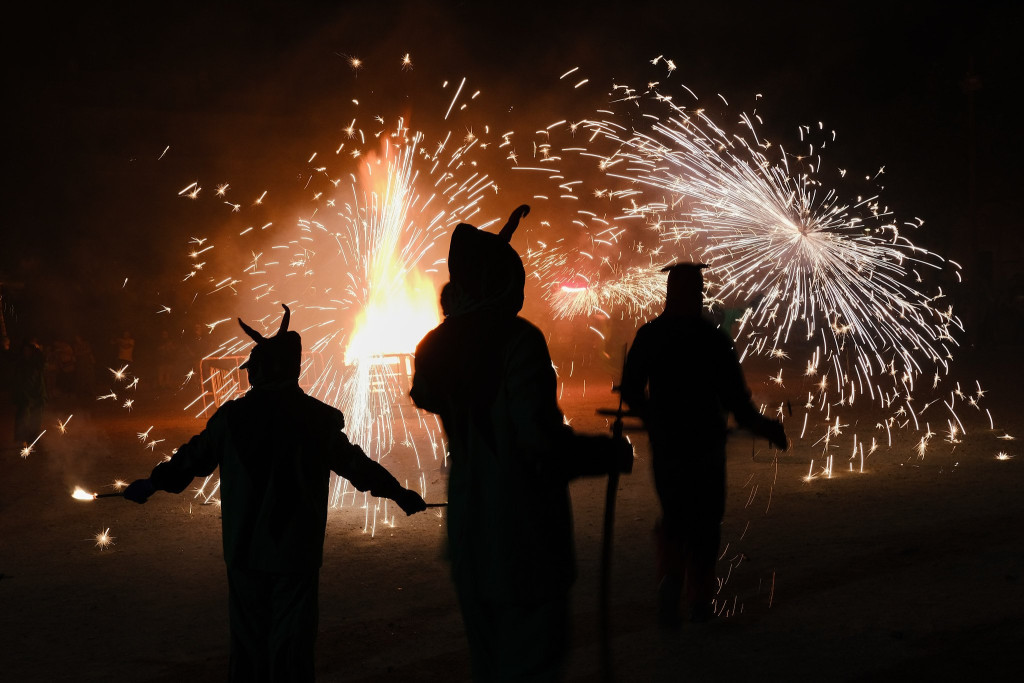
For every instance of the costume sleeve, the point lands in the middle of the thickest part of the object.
(348, 460)
(531, 387)
(197, 458)
(538, 422)
(635, 375)
(735, 394)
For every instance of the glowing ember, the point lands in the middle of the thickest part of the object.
(104, 539)
(63, 426)
(27, 450)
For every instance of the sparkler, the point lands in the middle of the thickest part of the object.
(81, 494)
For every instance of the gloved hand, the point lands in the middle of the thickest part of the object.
(776, 434)
(139, 491)
(622, 455)
(410, 502)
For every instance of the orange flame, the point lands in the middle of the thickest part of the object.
(395, 323)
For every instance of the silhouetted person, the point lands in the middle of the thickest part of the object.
(29, 392)
(683, 377)
(125, 346)
(63, 358)
(85, 367)
(167, 352)
(7, 389)
(488, 374)
(276, 448)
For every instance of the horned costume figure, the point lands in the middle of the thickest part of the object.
(276, 448)
(488, 374)
(682, 375)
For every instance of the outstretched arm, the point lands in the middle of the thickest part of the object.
(349, 461)
(539, 424)
(197, 458)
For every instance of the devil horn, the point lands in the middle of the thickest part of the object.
(285, 320)
(513, 222)
(256, 336)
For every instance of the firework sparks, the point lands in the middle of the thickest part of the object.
(808, 269)
(359, 270)
(27, 449)
(104, 540)
(62, 427)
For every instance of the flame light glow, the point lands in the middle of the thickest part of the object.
(359, 269)
(829, 289)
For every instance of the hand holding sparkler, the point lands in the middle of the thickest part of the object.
(776, 435)
(139, 491)
(410, 502)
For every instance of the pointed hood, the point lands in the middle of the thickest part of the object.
(486, 273)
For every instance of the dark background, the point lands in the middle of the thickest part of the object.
(243, 92)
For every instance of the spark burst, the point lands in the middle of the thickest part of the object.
(799, 267)
(104, 540)
(357, 267)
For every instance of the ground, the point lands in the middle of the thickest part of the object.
(911, 569)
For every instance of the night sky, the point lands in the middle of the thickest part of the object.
(244, 93)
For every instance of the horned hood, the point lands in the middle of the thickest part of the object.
(274, 359)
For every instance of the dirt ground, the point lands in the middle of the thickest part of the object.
(913, 569)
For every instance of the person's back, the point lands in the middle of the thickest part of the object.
(682, 375)
(693, 375)
(275, 477)
(488, 374)
(276, 448)
(491, 381)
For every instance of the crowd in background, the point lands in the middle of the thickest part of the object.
(68, 374)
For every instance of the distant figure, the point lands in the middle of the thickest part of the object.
(488, 374)
(683, 377)
(64, 363)
(85, 367)
(276, 448)
(7, 387)
(29, 392)
(194, 348)
(125, 349)
(167, 352)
